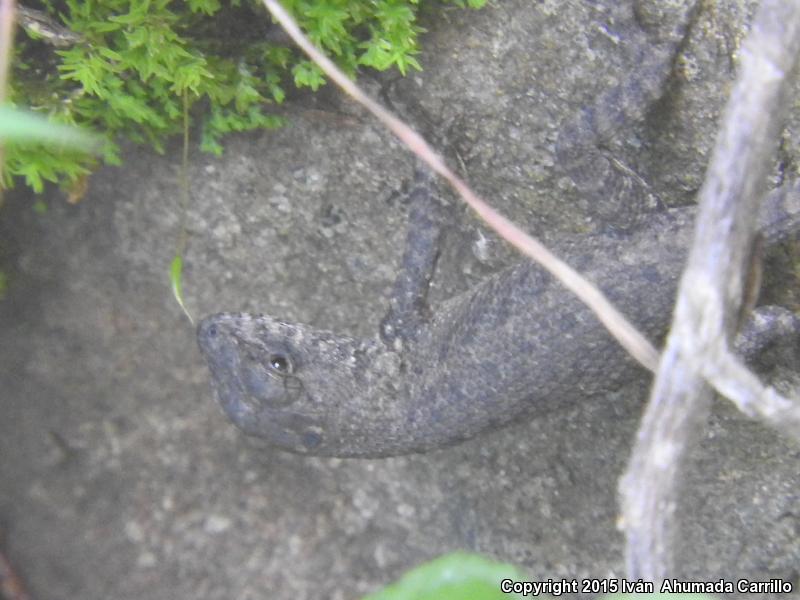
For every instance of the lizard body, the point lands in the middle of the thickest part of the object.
(516, 344)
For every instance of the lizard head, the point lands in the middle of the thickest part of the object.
(287, 383)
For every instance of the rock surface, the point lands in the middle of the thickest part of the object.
(121, 478)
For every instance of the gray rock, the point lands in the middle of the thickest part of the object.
(120, 476)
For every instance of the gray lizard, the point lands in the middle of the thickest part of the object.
(515, 345)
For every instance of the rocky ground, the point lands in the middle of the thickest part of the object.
(119, 476)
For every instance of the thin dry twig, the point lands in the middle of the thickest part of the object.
(710, 295)
(6, 39)
(7, 13)
(48, 30)
(624, 332)
(730, 377)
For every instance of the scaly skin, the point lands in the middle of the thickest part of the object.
(517, 344)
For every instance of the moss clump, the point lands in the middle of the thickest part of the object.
(135, 62)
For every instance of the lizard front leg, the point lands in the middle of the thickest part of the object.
(408, 305)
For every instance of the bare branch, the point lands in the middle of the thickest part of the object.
(710, 294)
(7, 15)
(43, 25)
(731, 378)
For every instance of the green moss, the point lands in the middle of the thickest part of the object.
(135, 60)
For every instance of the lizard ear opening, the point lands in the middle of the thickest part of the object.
(312, 439)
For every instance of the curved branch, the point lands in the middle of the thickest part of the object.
(711, 291)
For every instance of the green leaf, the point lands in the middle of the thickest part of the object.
(25, 127)
(457, 576)
(326, 25)
(308, 74)
(274, 87)
(208, 7)
(106, 26)
(111, 154)
(136, 37)
(277, 55)
(210, 143)
(393, 14)
(175, 272)
(190, 75)
(110, 54)
(136, 109)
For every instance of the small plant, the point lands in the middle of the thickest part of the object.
(462, 576)
(456, 576)
(124, 67)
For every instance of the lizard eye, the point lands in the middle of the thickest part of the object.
(270, 381)
(280, 363)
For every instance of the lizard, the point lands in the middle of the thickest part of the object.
(514, 345)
